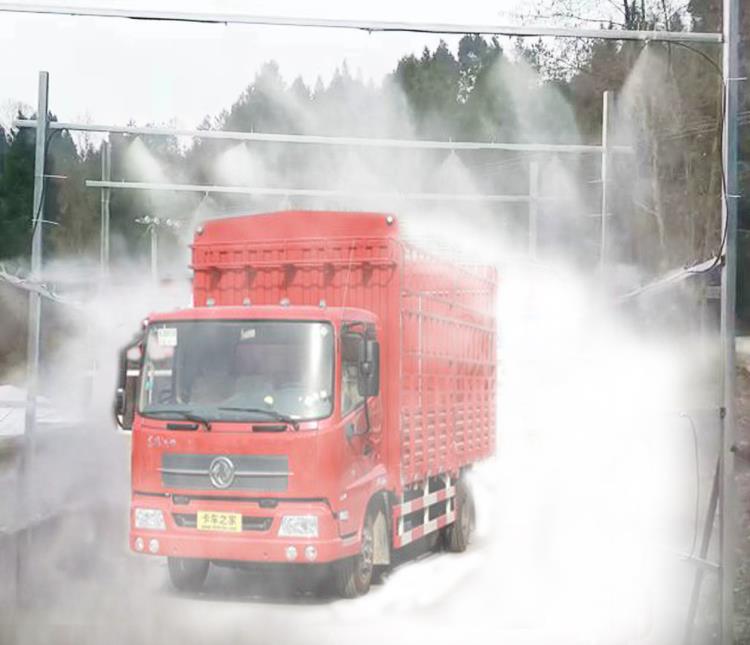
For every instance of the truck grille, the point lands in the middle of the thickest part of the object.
(251, 472)
(249, 523)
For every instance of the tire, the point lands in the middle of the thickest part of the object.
(352, 577)
(187, 574)
(457, 535)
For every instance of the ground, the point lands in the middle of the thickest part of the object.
(514, 585)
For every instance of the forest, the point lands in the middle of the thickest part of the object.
(665, 207)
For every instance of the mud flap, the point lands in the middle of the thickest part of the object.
(382, 554)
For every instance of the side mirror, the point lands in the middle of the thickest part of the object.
(366, 354)
(371, 368)
(131, 359)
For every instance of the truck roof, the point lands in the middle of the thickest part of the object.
(265, 312)
(289, 225)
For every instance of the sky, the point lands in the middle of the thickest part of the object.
(114, 71)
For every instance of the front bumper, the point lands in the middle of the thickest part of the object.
(257, 542)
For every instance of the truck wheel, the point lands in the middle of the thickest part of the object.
(353, 576)
(187, 574)
(458, 535)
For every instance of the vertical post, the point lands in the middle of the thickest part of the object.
(533, 207)
(154, 250)
(606, 110)
(106, 154)
(33, 340)
(727, 504)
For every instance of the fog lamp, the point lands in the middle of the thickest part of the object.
(138, 544)
(149, 519)
(153, 546)
(311, 553)
(291, 553)
(299, 526)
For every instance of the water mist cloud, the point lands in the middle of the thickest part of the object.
(586, 493)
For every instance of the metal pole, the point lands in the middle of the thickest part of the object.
(34, 331)
(727, 503)
(323, 140)
(311, 192)
(368, 26)
(606, 110)
(106, 193)
(533, 207)
(154, 251)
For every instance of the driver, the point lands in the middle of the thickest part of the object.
(252, 379)
(212, 384)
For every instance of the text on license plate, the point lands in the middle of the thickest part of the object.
(213, 521)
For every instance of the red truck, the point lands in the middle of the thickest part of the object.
(319, 404)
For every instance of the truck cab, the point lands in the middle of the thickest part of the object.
(257, 433)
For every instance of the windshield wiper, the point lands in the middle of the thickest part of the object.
(189, 416)
(274, 414)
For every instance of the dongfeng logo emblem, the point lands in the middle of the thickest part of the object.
(221, 472)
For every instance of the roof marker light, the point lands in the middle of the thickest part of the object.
(199, 230)
(389, 220)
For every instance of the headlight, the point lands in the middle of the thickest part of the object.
(299, 526)
(149, 519)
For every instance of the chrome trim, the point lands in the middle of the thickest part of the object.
(238, 473)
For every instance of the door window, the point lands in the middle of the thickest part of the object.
(350, 378)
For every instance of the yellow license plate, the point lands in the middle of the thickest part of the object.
(212, 521)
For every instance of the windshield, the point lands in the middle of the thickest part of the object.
(238, 370)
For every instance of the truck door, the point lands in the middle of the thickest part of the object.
(362, 426)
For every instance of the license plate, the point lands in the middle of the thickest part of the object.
(212, 521)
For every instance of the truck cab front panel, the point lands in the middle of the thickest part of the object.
(251, 463)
